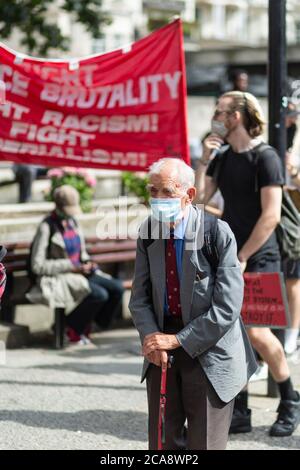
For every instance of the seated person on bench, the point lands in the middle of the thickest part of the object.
(63, 274)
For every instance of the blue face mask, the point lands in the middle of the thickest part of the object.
(166, 209)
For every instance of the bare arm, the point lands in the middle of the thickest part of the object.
(271, 197)
(205, 185)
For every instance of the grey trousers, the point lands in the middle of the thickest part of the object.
(191, 398)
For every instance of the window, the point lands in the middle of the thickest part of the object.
(98, 46)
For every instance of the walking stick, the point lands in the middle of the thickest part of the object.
(162, 405)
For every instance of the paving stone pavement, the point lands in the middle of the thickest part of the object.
(90, 397)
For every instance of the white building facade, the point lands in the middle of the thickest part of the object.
(206, 23)
(243, 22)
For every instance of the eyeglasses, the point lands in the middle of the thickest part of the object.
(218, 112)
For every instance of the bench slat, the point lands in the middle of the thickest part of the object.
(103, 258)
(111, 247)
(99, 248)
(17, 246)
(15, 266)
(114, 257)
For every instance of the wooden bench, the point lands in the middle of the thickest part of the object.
(108, 252)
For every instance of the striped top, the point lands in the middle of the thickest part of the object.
(72, 240)
(2, 279)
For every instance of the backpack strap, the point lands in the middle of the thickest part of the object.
(148, 241)
(258, 151)
(209, 248)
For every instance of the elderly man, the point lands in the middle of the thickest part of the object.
(184, 304)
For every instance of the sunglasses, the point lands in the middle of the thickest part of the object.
(218, 113)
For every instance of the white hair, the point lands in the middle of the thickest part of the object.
(184, 173)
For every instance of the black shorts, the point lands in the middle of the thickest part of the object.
(264, 265)
(291, 269)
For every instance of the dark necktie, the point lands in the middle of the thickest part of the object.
(172, 280)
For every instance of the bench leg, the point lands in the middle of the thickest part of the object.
(59, 327)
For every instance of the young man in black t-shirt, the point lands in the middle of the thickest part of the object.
(252, 192)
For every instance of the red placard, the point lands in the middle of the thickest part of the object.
(120, 110)
(265, 301)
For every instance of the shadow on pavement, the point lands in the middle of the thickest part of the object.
(109, 368)
(261, 434)
(106, 344)
(72, 385)
(127, 425)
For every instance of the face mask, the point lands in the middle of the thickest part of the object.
(61, 215)
(166, 210)
(218, 127)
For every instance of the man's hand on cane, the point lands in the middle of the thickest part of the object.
(159, 342)
(158, 358)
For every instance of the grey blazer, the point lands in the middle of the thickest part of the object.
(211, 303)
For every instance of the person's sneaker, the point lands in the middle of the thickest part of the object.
(288, 418)
(72, 336)
(84, 340)
(241, 421)
(87, 331)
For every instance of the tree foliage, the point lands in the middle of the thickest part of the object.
(39, 30)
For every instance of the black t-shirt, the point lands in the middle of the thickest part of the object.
(290, 135)
(240, 180)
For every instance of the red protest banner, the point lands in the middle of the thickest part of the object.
(119, 110)
(265, 302)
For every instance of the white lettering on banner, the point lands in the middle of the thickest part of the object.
(50, 93)
(14, 81)
(85, 101)
(13, 110)
(143, 90)
(148, 90)
(84, 76)
(131, 100)
(117, 96)
(99, 156)
(154, 90)
(49, 134)
(102, 124)
(110, 111)
(69, 96)
(172, 83)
